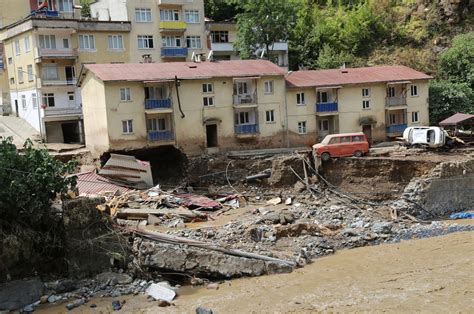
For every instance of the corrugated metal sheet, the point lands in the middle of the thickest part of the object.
(128, 169)
(89, 183)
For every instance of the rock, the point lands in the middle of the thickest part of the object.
(54, 298)
(272, 217)
(349, 232)
(75, 304)
(116, 306)
(29, 308)
(93, 306)
(299, 187)
(116, 278)
(159, 292)
(20, 293)
(382, 227)
(213, 286)
(163, 303)
(256, 234)
(358, 224)
(203, 310)
(274, 201)
(44, 299)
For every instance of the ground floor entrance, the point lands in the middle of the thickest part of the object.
(69, 132)
(211, 135)
(327, 125)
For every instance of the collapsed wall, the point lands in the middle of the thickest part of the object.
(447, 189)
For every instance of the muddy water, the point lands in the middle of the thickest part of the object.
(428, 275)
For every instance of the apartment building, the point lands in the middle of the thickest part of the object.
(162, 30)
(223, 35)
(381, 101)
(198, 107)
(43, 56)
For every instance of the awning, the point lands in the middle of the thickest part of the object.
(328, 87)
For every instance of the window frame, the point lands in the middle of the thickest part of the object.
(319, 97)
(365, 95)
(47, 41)
(90, 39)
(21, 79)
(302, 127)
(414, 87)
(170, 15)
(270, 116)
(268, 87)
(17, 47)
(321, 125)
(127, 126)
(44, 71)
(70, 6)
(190, 13)
(34, 101)
(194, 39)
(127, 93)
(115, 39)
(30, 73)
(208, 101)
(143, 12)
(146, 39)
(206, 89)
(366, 104)
(24, 105)
(27, 44)
(48, 100)
(220, 36)
(300, 99)
(415, 114)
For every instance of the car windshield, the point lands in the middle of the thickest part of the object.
(326, 139)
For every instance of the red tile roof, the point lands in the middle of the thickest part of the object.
(184, 70)
(457, 118)
(91, 183)
(334, 77)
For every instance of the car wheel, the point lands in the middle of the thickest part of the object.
(325, 156)
(357, 153)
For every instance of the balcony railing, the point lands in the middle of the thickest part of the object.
(245, 99)
(396, 101)
(62, 111)
(222, 47)
(60, 53)
(174, 25)
(326, 107)
(1, 65)
(58, 82)
(174, 52)
(246, 129)
(157, 103)
(160, 135)
(396, 128)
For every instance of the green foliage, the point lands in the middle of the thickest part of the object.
(219, 10)
(29, 181)
(457, 63)
(447, 98)
(263, 22)
(86, 8)
(330, 59)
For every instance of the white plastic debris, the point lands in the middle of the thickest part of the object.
(158, 292)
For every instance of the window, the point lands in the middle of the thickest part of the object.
(208, 101)
(86, 42)
(415, 116)
(10, 60)
(393, 119)
(302, 127)
(365, 104)
(414, 90)
(240, 88)
(334, 140)
(345, 139)
(242, 118)
(323, 125)
(270, 116)
(125, 94)
(71, 97)
(30, 72)
(20, 75)
(169, 15)
(391, 91)
(23, 102)
(27, 44)
(66, 43)
(207, 88)
(65, 5)
(115, 42)
(145, 42)
(220, 36)
(322, 97)
(194, 42)
(171, 41)
(357, 138)
(34, 101)
(268, 87)
(47, 41)
(143, 15)
(300, 99)
(48, 100)
(365, 92)
(127, 126)
(50, 4)
(191, 16)
(17, 47)
(49, 72)
(12, 80)
(157, 124)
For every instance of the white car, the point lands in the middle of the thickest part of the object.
(432, 136)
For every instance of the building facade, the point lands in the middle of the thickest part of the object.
(380, 101)
(162, 30)
(198, 107)
(223, 35)
(43, 58)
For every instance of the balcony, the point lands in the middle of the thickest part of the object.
(222, 47)
(62, 111)
(160, 135)
(396, 101)
(396, 128)
(1, 66)
(71, 82)
(172, 25)
(172, 2)
(174, 52)
(56, 53)
(157, 103)
(246, 129)
(326, 107)
(245, 99)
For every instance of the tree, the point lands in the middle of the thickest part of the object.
(219, 10)
(447, 98)
(457, 63)
(29, 181)
(262, 23)
(86, 8)
(330, 59)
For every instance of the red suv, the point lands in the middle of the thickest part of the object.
(342, 145)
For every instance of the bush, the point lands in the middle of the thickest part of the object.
(457, 63)
(447, 98)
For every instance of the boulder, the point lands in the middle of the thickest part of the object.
(20, 293)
